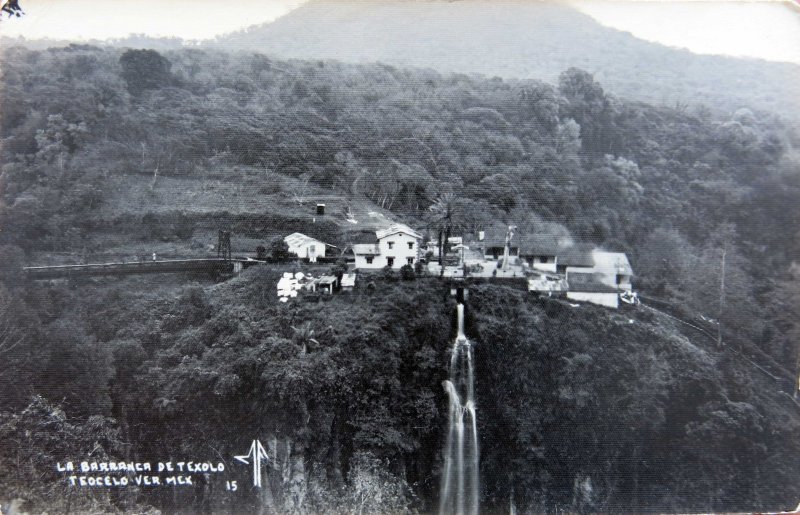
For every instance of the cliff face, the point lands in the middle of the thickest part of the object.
(593, 409)
(578, 407)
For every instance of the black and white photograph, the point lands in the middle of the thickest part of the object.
(399, 257)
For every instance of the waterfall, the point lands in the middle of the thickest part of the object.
(459, 493)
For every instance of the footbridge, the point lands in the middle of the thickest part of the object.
(211, 266)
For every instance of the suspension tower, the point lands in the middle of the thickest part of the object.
(224, 245)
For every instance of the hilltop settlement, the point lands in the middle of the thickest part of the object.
(576, 271)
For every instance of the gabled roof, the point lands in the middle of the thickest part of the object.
(397, 228)
(612, 261)
(588, 283)
(361, 237)
(365, 249)
(539, 245)
(495, 236)
(577, 255)
(297, 239)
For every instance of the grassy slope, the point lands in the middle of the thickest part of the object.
(244, 200)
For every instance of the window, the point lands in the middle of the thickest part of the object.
(410, 245)
(410, 260)
(369, 259)
(391, 244)
(390, 262)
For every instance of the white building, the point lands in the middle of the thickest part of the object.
(540, 252)
(348, 282)
(613, 268)
(305, 247)
(609, 268)
(595, 276)
(397, 245)
(589, 287)
(544, 283)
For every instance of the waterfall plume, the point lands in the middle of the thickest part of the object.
(459, 491)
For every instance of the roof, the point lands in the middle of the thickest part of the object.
(539, 245)
(499, 243)
(528, 244)
(349, 280)
(612, 261)
(365, 249)
(397, 228)
(576, 255)
(327, 279)
(495, 236)
(538, 274)
(588, 283)
(361, 237)
(297, 239)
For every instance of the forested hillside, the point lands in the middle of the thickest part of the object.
(513, 39)
(105, 150)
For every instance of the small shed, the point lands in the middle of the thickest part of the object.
(348, 282)
(327, 283)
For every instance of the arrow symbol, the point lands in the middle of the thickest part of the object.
(255, 454)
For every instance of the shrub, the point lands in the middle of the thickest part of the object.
(407, 273)
(387, 274)
(279, 249)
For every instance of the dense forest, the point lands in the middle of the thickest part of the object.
(704, 201)
(536, 40)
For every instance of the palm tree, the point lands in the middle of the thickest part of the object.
(304, 334)
(445, 217)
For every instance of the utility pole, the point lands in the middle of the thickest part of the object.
(507, 249)
(721, 294)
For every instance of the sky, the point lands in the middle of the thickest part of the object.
(111, 19)
(763, 29)
(766, 29)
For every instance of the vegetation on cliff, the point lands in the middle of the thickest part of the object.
(578, 407)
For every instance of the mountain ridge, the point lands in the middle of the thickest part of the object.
(520, 40)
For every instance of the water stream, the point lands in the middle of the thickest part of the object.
(459, 493)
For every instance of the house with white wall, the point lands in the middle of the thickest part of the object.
(595, 275)
(613, 268)
(305, 247)
(396, 246)
(576, 258)
(588, 287)
(610, 268)
(539, 252)
(492, 242)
